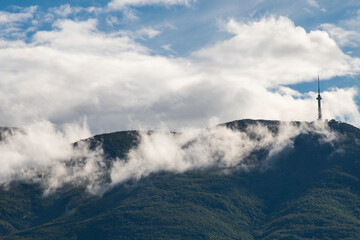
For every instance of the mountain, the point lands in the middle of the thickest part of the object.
(310, 190)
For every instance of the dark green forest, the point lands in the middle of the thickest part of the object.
(310, 191)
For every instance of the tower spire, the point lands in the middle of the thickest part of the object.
(319, 100)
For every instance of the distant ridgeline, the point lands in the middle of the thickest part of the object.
(309, 190)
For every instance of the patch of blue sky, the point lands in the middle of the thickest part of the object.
(326, 85)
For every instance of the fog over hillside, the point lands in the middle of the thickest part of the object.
(247, 179)
(42, 154)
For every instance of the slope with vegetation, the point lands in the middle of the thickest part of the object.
(311, 191)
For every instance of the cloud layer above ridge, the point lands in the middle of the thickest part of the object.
(75, 70)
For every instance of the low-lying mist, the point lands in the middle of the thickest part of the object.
(219, 146)
(41, 153)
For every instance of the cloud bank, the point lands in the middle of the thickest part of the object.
(274, 51)
(75, 70)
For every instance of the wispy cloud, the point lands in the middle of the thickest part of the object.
(345, 32)
(120, 4)
(218, 147)
(40, 153)
(343, 37)
(12, 23)
(313, 3)
(24, 15)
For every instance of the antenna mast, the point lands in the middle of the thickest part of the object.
(319, 100)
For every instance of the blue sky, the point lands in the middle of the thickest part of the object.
(198, 24)
(64, 61)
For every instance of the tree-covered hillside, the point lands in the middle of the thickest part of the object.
(309, 190)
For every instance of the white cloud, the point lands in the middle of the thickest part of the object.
(112, 20)
(83, 37)
(352, 23)
(141, 33)
(167, 47)
(129, 15)
(342, 36)
(201, 149)
(313, 3)
(75, 70)
(24, 15)
(344, 112)
(345, 32)
(64, 10)
(40, 153)
(148, 32)
(12, 23)
(192, 149)
(274, 51)
(120, 4)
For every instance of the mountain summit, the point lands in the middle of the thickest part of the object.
(292, 181)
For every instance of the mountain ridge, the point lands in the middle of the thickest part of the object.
(311, 190)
